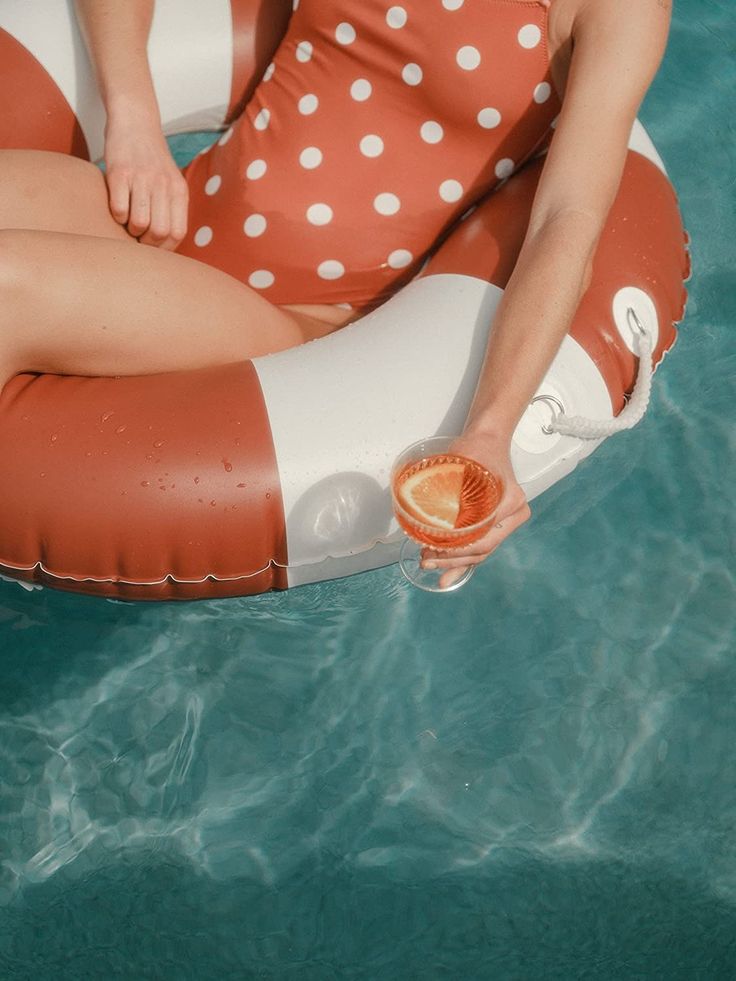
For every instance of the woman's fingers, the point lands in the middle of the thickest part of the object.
(118, 188)
(148, 194)
(479, 551)
(168, 202)
(179, 211)
(140, 208)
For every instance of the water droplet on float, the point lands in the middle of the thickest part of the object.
(196, 480)
(42, 475)
(213, 504)
(227, 465)
(159, 442)
(145, 483)
(268, 497)
(106, 415)
(120, 429)
(242, 485)
(54, 437)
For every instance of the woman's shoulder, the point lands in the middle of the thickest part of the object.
(609, 18)
(623, 29)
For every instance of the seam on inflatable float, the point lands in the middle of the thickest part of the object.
(138, 582)
(209, 576)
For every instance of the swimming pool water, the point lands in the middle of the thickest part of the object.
(531, 779)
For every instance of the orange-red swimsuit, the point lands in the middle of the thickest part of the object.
(374, 128)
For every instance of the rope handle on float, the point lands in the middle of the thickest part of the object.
(632, 412)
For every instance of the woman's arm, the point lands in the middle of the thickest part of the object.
(618, 45)
(147, 193)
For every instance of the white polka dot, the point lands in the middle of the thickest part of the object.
(256, 169)
(489, 117)
(504, 168)
(386, 203)
(529, 36)
(268, 74)
(203, 236)
(361, 89)
(261, 279)
(345, 33)
(412, 73)
(431, 132)
(213, 184)
(319, 214)
(400, 258)
(254, 226)
(310, 157)
(330, 269)
(542, 92)
(308, 104)
(262, 119)
(452, 4)
(396, 17)
(451, 191)
(303, 51)
(468, 57)
(225, 137)
(371, 145)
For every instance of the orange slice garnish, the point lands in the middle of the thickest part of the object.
(432, 495)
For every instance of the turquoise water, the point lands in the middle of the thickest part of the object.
(533, 779)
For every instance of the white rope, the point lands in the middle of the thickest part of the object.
(632, 412)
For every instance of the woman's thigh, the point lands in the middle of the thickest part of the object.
(77, 304)
(50, 191)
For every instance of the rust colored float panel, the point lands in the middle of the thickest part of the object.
(111, 494)
(33, 111)
(258, 26)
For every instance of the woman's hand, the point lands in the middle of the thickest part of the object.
(147, 193)
(493, 453)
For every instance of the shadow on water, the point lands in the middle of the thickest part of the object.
(523, 918)
(48, 635)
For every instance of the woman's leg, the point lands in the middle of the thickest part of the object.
(76, 304)
(44, 190)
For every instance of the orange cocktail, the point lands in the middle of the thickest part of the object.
(441, 499)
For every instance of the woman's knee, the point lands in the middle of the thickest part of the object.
(52, 192)
(14, 272)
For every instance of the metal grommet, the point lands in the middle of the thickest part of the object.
(554, 401)
(633, 321)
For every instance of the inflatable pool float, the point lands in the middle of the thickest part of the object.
(274, 472)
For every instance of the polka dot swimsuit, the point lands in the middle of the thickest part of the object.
(375, 127)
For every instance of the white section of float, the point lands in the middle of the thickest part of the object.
(187, 32)
(640, 142)
(200, 36)
(424, 347)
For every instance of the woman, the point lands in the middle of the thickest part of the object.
(82, 296)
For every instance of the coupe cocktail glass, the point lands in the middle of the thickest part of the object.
(442, 500)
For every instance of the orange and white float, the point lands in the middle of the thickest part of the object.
(275, 472)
